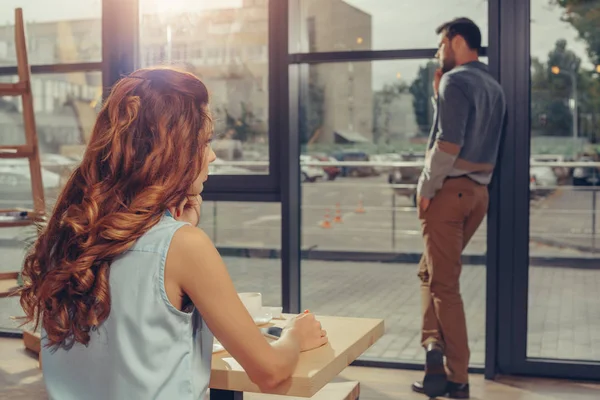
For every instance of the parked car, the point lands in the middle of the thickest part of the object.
(310, 173)
(385, 158)
(354, 155)
(563, 174)
(585, 176)
(407, 175)
(331, 171)
(543, 180)
(221, 167)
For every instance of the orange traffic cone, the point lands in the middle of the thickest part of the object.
(361, 208)
(338, 214)
(326, 223)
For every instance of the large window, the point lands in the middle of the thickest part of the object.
(349, 25)
(565, 96)
(225, 43)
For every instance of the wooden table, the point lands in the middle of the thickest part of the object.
(348, 339)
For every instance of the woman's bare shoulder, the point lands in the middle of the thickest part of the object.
(191, 250)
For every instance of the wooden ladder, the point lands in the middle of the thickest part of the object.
(30, 150)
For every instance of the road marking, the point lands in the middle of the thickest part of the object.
(264, 218)
(22, 203)
(251, 245)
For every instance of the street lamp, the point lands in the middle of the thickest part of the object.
(571, 73)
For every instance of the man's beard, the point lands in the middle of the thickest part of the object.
(448, 63)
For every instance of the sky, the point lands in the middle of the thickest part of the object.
(397, 30)
(60, 10)
(395, 23)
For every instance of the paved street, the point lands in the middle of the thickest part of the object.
(564, 309)
(560, 225)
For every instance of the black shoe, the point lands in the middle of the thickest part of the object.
(458, 390)
(435, 382)
(453, 390)
(417, 387)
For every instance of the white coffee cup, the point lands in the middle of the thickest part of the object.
(252, 302)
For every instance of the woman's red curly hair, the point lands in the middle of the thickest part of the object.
(145, 151)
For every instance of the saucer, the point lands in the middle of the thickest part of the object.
(264, 317)
(276, 312)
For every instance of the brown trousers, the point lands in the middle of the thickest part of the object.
(452, 218)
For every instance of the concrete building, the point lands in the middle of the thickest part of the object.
(347, 87)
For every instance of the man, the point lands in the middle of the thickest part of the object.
(453, 198)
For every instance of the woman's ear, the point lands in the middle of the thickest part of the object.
(178, 211)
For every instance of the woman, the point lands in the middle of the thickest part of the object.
(129, 292)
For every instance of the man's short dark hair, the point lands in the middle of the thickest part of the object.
(463, 27)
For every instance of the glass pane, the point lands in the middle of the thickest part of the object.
(377, 114)
(224, 43)
(65, 111)
(564, 308)
(346, 25)
(58, 31)
(248, 236)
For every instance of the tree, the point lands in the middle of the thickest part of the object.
(244, 127)
(584, 16)
(382, 110)
(422, 91)
(551, 92)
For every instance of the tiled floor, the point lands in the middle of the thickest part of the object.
(20, 379)
(564, 310)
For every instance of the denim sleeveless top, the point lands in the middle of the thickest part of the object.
(146, 348)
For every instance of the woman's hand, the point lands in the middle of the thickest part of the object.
(307, 330)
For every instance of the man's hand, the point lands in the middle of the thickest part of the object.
(424, 204)
(437, 77)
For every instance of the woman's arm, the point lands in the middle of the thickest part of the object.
(195, 265)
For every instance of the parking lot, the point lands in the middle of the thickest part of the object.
(560, 224)
(363, 214)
